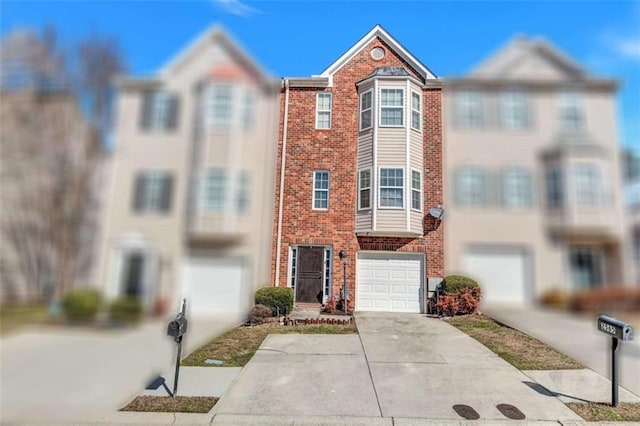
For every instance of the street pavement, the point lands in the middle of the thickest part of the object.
(54, 375)
(575, 336)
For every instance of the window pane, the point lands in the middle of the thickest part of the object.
(321, 200)
(415, 200)
(554, 187)
(391, 187)
(214, 190)
(517, 188)
(391, 97)
(415, 101)
(366, 100)
(365, 191)
(416, 182)
(320, 190)
(587, 184)
(242, 192)
(220, 106)
(322, 180)
(391, 116)
(324, 101)
(471, 186)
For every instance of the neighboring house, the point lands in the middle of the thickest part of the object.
(191, 204)
(633, 230)
(533, 177)
(359, 165)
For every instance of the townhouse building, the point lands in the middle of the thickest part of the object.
(190, 204)
(358, 169)
(532, 176)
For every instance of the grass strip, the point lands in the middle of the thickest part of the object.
(600, 412)
(518, 349)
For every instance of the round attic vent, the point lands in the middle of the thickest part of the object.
(377, 53)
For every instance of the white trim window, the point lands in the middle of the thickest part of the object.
(515, 115)
(416, 111)
(323, 110)
(587, 184)
(392, 188)
(366, 102)
(416, 190)
(555, 187)
(220, 106)
(517, 188)
(468, 109)
(364, 189)
(392, 107)
(214, 190)
(471, 186)
(152, 191)
(320, 190)
(571, 111)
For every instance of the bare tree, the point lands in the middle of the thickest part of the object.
(50, 149)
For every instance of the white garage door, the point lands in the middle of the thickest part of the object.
(389, 282)
(215, 286)
(502, 274)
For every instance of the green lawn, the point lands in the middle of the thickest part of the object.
(14, 317)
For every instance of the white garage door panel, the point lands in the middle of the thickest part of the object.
(214, 286)
(389, 282)
(502, 275)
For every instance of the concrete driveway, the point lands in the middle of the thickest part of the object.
(399, 366)
(54, 375)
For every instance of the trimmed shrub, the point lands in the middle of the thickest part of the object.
(81, 305)
(126, 310)
(464, 301)
(453, 283)
(258, 314)
(277, 298)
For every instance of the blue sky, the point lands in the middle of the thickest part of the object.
(298, 38)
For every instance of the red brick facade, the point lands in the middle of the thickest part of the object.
(335, 149)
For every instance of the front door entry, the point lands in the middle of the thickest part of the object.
(134, 265)
(309, 274)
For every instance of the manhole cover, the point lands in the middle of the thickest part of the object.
(466, 412)
(510, 412)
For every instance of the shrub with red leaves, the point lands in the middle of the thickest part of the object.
(464, 301)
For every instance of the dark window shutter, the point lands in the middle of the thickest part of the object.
(145, 113)
(167, 190)
(138, 192)
(174, 111)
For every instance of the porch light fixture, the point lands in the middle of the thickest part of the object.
(345, 296)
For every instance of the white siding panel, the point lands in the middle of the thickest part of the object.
(391, 220)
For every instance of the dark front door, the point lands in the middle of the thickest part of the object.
(133, 277)
(309, 275)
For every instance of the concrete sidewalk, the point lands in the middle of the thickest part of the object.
(59, 375)
(400, 366)
(575, 336)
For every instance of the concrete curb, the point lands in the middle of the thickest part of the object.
(128, 418)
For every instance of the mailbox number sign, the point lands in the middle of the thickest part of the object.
(610, 329)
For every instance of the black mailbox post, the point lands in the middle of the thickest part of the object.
(177, 329)
(618, 330)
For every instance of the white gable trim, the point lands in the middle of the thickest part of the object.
(378, 31)
(217, 34)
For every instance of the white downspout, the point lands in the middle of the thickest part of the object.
(282, 169)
